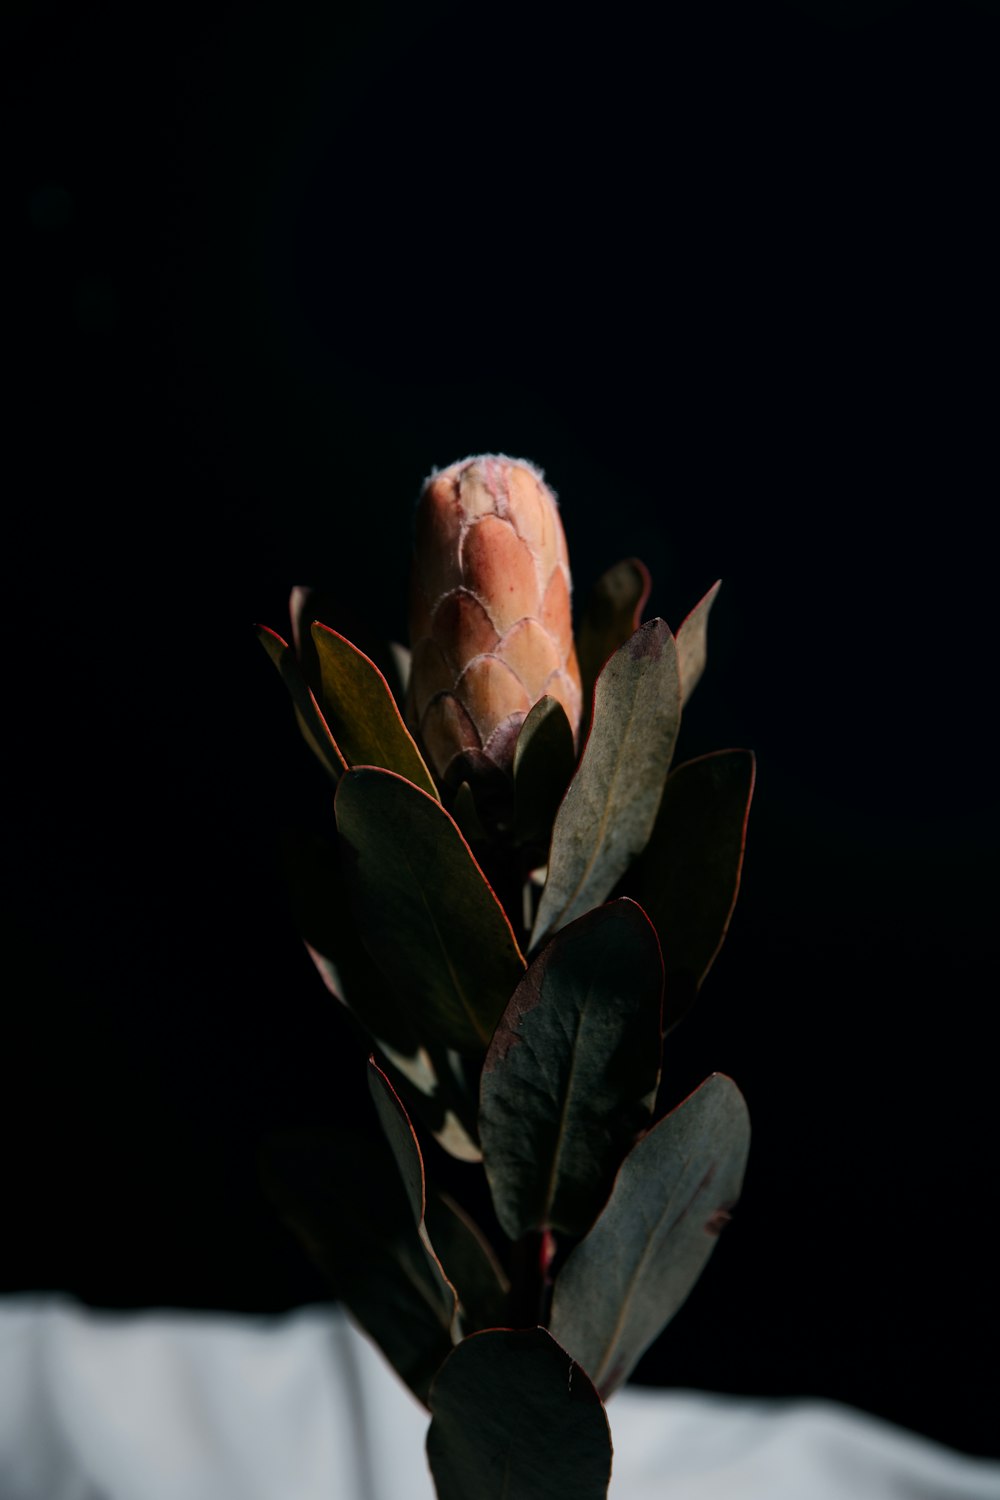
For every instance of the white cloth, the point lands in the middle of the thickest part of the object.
(187, 1406)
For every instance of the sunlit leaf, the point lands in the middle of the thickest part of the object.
(515, 1419)
(570, 1076)
(426, 913)
(307, 606)
(362, 712)
(692, 643)
(609, 809)
(674, 1193)
(314, 728)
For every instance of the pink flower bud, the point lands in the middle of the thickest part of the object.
(490, 618)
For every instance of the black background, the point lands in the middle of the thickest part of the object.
(728, 276)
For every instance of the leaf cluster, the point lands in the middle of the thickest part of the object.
(512, 979)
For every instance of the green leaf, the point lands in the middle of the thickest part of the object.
(314, 728)
(676, 1189)
(570, 1077)
(362, 711)
(515, 1419)
(692, 643)
(611, 616)
(307, 606)
(544, 757)
(426, 913)
(470, 1263)
(342, 1195)
(405, 1148)
(609, 809)
(688, 877)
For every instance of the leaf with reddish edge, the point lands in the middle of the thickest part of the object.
(362, 711)
(514, 1418)
(692, 643)
(314, 728)
(426, 912)
(675, 1191)
(571, 1074)
(610, 806)
(688, 876)
(544, 758)
(307, 606)
(342, 1196)
(405, 1148)
(611, 616)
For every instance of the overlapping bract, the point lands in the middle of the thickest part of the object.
(490, 621)
(525, 1031)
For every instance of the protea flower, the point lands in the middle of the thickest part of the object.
(489, 613)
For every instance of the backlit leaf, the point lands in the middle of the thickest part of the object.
(362, 712)
(314, 728)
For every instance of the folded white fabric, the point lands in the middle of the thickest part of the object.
(186, 1406)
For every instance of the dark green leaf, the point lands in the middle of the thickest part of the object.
(406, 1149)
(515, 1419)
(469, 1262)
(343, 1197)
(692, 643)
(426, 913)
(362, 712)
(570, 1077)
(623, 1283)
(544, 757)
(611, 616)
(689, 874)
(315, 730)
(321, 908)
(609, 810)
